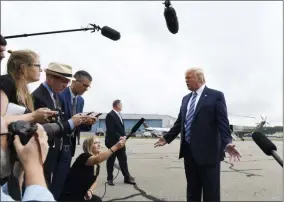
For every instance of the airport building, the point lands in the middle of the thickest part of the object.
(152, 120)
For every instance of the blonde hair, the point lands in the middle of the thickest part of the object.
(87, 148)
(87, 145)
(199, 73)
(16, 59)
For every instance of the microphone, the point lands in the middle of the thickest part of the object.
(266, 146)
(135, 127)
(105, 31)
(171, 18)
(110, 33)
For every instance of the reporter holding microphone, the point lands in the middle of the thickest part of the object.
(82, 178)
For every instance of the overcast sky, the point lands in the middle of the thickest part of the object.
(237, 43)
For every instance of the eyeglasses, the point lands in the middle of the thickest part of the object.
(97, 142)
(85, 85)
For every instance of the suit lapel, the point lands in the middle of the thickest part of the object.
(47, 97)
(78, 106)
(117, 117)
(184, 109)
(68, 100)
(202, 98)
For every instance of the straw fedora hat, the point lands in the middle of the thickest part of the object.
(61, 70)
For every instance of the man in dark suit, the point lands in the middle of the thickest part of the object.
(46, 95)
(114, 130)
(72, 103)
(205, 137)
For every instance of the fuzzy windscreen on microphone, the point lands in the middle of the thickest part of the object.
(171, 19)
(110, 33)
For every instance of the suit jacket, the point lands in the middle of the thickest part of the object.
(210, 129)
(114, 129)
(66, 105)
(42, 98)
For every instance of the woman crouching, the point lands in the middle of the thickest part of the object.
(82, 178)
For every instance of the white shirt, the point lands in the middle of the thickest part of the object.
(118, 114)
(199, 92)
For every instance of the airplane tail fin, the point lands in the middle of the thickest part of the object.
(145, 125)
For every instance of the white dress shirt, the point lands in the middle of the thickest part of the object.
(118, 114)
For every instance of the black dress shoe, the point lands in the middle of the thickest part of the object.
(110, 182)
(129, 180)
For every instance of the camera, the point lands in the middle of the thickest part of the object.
(25, 130)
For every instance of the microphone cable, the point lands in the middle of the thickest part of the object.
(106, 183)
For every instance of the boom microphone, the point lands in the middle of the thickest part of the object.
(171, 18)
(135, 127)
(266, 146)
(110, 33)
(105, 31)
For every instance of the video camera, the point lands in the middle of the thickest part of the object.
(25, 130)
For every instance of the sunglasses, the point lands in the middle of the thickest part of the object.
(85, 85)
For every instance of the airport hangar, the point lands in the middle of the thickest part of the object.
(152, 120)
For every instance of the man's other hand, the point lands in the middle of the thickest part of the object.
(91, 120)
(78, 119)
(160, 142)
(233, 152)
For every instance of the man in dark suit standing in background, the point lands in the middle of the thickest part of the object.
(205, 137)
(114, 130)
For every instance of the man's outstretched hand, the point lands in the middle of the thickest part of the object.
(233, 152)
(160, 142)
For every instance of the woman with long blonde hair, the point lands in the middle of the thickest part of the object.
(23, 67)
(82, 178)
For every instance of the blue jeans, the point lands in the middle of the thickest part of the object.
(61, 171)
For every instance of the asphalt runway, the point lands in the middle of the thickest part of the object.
(160, 174)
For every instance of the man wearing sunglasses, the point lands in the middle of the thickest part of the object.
(79, 86)
(72, 103)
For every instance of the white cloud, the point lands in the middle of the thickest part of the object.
(239, 45)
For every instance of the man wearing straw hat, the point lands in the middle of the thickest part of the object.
(58, 76)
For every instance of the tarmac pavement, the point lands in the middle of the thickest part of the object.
(160, 174)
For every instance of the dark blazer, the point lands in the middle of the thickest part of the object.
(42, 98)
(114, 129)
(210, 129)
(66, 106)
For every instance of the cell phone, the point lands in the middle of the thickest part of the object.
(97, 116)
